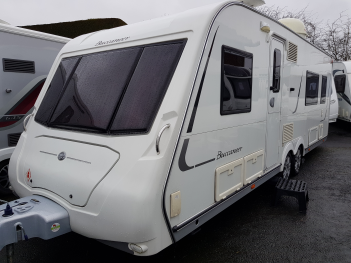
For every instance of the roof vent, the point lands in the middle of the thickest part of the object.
(292, 52)
(295, 25)
(20, 66)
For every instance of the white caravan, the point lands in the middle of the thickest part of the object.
(342, 78)
(144, 132)
(26, 58)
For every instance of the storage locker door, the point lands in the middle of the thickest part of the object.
(229, 178)
(253, 166)
(313, 135)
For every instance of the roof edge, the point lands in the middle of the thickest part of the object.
(31, 33)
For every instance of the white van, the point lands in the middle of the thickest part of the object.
(144, 132)
(341, 72)
(26, 58)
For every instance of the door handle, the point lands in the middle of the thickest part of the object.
(332, 102)
(159, 137)
(8, 90)
(271, 102)
(292, 89)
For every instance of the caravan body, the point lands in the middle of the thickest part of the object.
(26, 58)
(144, 132)
(342, 80)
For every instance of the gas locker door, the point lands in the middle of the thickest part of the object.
(274, 103)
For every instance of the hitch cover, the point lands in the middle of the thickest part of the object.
(37, 215)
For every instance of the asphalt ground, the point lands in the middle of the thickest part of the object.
(251, 230)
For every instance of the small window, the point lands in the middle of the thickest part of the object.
(340, 83)
(276, 71)
(236, 83)
(324, 89)
(312, 84)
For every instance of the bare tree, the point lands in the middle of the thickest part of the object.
(336, 38)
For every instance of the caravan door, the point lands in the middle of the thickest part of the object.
(274, 103)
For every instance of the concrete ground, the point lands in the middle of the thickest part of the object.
(250, 230)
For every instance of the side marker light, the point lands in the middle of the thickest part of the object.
(253, 186)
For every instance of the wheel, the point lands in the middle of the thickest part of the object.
(4, 178)
(287, 167)
(296, 162)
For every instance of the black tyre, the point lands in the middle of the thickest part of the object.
(286, 173)
(4, 178)
(296, 162)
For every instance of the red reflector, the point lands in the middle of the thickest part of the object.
(253, 186)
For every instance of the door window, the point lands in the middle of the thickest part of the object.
(276, 71)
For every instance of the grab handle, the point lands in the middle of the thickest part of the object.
(25, 121)
(159, 137)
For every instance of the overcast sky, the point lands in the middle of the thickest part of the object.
(31, 12)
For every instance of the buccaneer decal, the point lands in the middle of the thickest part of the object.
(183, 166)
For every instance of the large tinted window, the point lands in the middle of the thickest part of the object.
(52, 95)
(324, 89)
(276, 71)
(146, 89)
(118, 91)
(312, 84)
(236, 83)
(94, 90)
(340, 82)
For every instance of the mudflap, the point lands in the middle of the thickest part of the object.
(33, 216)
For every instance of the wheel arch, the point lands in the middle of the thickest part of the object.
(292, 147)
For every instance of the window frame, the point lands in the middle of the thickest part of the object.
(323, 100)
(245, 55)
(313, 103)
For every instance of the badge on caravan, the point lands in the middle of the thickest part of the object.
(29, 179)
(55, 227)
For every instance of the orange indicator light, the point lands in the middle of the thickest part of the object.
(253, 186)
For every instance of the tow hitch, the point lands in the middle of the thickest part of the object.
(28, 217)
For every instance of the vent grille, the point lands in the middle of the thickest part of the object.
(288, 132)
(292, 52)
(20, 66)
(13, 139)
